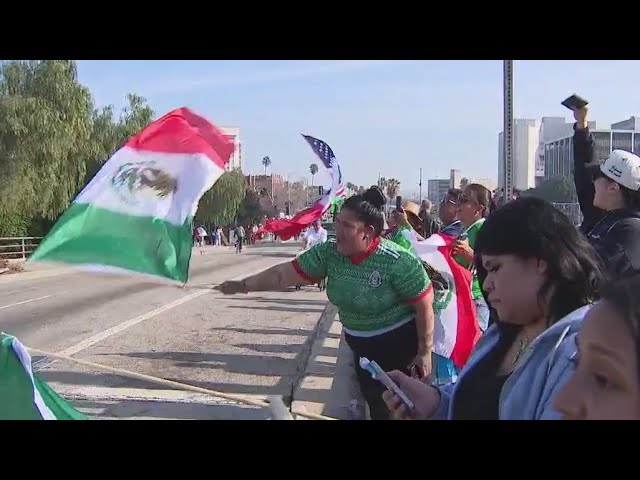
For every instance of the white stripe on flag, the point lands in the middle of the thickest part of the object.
(25, 360)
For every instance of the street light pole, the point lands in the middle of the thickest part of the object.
(507, 136)
(420, 184)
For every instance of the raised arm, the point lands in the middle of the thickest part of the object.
(307, 269)
(273, 279)
(583, 154)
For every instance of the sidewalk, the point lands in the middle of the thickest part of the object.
(329, 383)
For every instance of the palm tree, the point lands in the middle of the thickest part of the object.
(266, 161)
(392, 187)
(313, 169)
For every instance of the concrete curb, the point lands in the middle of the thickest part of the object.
(329, 383)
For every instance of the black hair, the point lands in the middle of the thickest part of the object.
(481, 195)
(622, 296)
(631, 198)
(368, 207)
(455, 194)
(533, 228)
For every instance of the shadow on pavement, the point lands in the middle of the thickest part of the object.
(281, 309)
(288, 301)
(127, 409)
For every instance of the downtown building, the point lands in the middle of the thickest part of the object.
(558, 152)
(530, 137)
(236, 158)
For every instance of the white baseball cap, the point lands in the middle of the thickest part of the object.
(623, 168)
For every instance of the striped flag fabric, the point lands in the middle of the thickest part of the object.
(287, 229)
(456, 329)
(23, 395)
(136, 214)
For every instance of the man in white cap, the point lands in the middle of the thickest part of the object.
(609, 197)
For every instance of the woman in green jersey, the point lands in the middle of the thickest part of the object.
(382, 292)
(473, 208)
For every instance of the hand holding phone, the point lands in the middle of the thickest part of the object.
(379, 374)
(575, 102)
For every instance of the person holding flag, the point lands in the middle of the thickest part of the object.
(383, 294)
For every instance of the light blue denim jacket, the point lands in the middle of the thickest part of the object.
(529, 391)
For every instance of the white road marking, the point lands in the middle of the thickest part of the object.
(70, 351)
(101, 394)
(28, 301)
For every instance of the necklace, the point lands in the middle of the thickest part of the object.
(524, 343)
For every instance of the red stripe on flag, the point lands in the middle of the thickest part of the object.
(467, 329)
(183, 131)
(286, 229)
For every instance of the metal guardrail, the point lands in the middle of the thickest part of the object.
(15, 248)
(571, 210)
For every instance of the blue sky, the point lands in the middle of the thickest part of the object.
(385, 116)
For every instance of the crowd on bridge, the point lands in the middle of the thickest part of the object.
(556, 305)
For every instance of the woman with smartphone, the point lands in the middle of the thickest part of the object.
(473, 208)
(541, 277)
(383, 294)
(609, 198)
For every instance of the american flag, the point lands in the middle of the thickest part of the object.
(325, 154)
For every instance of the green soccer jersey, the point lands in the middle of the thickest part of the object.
(372, 292)
(472, 234)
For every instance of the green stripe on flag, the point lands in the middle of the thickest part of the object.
(86, 234)
(18, 399)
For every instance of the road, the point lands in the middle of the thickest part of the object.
(253, 345)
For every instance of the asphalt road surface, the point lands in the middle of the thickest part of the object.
(253, 345)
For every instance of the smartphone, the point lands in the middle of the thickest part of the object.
(380, 375)
(463, 236)
(575, 102)
(398, 202)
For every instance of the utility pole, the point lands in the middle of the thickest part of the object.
(507, 135)
(420, 185)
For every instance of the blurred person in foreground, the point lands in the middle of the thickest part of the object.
(383, 294)
(609, 198)
(606, 381)
(473, 208)
(541, 276)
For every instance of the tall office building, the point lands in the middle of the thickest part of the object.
(236, 158)
(526, 139)
(558, 152)
(437, 189)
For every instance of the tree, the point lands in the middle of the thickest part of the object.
(266, 161)
(313, 169)
(250, 211)
(361, 190)
(45, 129)
(108, 137)
(220, 205)
(352, 187)
(464, 181)
(393, 187)
(555, 190)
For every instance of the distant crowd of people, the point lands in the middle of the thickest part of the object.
(557, 305)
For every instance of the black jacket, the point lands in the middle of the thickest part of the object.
(615, 234)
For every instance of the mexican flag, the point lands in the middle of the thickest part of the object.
(24, 396)
(456, 329)
(136, 214)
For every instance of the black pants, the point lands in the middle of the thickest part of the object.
(392, 351)
(239, 243)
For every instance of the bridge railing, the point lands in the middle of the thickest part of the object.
(16, 248)
(571, 210)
